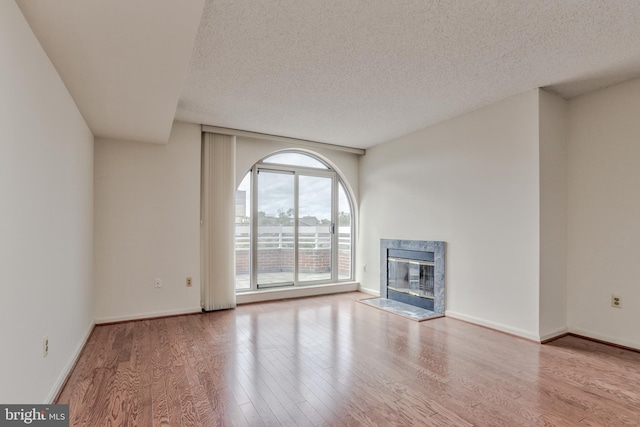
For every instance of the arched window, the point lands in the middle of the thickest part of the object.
(294, 224)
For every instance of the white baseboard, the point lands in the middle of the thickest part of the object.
(493, 325)
(553, 334)
(606, 338)
(174, 312)
(286, 293)
(369, 291)
(62, 378)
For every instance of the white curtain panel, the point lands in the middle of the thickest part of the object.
(217, 229)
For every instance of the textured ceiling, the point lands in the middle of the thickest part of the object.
(123, 61)
(348, 72)
(361, 72)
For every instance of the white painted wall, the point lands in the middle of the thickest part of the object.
(604, 213)
(46, 218)
(553, 215)
(147, 225)
(473, 182)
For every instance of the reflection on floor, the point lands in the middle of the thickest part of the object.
(332, 361)
(406, 310)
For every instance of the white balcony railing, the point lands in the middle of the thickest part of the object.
(280, 237)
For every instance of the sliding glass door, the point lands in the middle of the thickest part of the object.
(315, 228)
(275, 228)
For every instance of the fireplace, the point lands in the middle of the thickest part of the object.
(412, 272)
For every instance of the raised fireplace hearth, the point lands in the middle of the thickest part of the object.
(412, 272)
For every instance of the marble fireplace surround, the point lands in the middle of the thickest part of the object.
(438, 248)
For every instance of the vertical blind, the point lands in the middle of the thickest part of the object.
(218, 222)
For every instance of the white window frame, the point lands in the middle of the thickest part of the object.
(298, 171)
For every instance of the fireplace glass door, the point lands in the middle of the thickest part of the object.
(413, 277)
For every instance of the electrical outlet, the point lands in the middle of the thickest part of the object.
(158, 283)
(189, 281)
(45, 346)
(364, 268)
(616, 301)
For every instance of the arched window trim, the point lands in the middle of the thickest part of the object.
(325, 164)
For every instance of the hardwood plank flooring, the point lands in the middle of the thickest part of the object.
(331, 361)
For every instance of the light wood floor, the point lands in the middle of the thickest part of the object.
(333, 361)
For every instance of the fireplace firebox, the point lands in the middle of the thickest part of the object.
(412, 272)
(410, 277)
